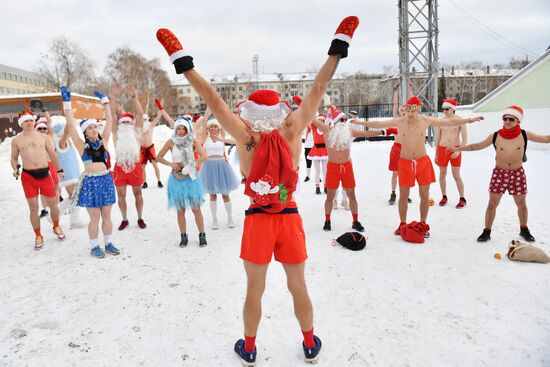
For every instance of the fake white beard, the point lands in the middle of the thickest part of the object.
(264, 119)
(340, 137)
(127, 147)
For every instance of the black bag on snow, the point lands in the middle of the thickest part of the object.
(354, 241)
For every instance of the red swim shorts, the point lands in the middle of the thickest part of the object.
(132, 178)
(53, 173)
(420, 169)
(281, 234)
(443, 157)
(395, 154)
(147, 154)
(34, 186)
(513, 180)
(337, 172)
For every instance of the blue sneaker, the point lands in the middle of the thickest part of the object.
(312, 354)
(110, 249)
(247, 358)
(97, 252)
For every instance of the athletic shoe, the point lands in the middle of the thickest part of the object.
(443, 201)
(144, 186)
(38, 242)
(306, 179)
(357, 226)
(184, 240)
(485, 236)
(247, 358)
(312, 354)
(461, 203)
(123, 225)
(526, 234)
(409, 200)
(317, 191)
(202, 239)
(60, 235)
(160, 185)
(326, 227)
(141, 223)
(392, 198)
(43, 213)
(111, 249)
(97, 252)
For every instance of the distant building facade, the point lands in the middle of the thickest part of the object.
(19, 81)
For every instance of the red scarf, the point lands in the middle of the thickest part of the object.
(510, 133)
(272, 164)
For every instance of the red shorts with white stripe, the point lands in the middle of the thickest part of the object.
(53, 173)
(420, 169)
(513, 180)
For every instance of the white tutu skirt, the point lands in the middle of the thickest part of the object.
(218, 177)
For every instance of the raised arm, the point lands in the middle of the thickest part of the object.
(320, 125)
(453, 121)
(394, 122)
(168, 119)
(366, 134)
(51, 152)
(66, 96)
(545, 139)
(477, 146)
(200, 152)
(115, 93)
(138, 109)
(108, 128)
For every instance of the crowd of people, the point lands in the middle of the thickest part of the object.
(268, 137)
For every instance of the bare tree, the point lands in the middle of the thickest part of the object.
(125, 66)
(65, 63)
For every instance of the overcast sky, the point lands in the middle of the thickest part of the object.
(288, 36)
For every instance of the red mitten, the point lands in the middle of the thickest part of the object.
(392, 131)
(159, 105)
(343, 36)
(181, 60)
(297, 100)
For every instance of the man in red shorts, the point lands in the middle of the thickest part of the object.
(414, 164)
(339, 167)
(454, 136)
(128, 169)
(510, 144)
(147, 151)
(36, 150)
(268, 137)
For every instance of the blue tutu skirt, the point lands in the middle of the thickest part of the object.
(184, 194)
(97, 191)
(218, 177)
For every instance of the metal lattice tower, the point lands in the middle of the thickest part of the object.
(255, 72)
(418, 50)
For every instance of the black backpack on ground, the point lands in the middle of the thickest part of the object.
(354, 241)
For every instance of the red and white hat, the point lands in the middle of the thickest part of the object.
(515, 111)
(414, 103)
(25, 116)
(41, 123)
(126, 117)
(184, 121)
(264, 111)
(334, 114)
(450, 103)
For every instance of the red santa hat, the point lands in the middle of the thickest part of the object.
(41, 123)
(297, 100)
(126, 117)
(414, 104)
(515, 111)
(321, 116)
(335, 114)
(264, 107)
(450, 103)
(25, 116)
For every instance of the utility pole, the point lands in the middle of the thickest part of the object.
(255, 73)
(418, 52)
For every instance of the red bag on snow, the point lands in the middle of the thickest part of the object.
(414, 232)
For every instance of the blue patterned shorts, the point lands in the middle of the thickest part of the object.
(97, 191)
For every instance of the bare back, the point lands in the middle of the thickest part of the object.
(32, 149)
(147, 137)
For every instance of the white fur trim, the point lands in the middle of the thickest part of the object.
(513, 112)
(67, 105)
(125, 119)
(26, 117)
(447, 104)
(105, 100)
(178, 54)
(87, 123)
(342, 37)
(183, 122)
(40, 124)
(213, 122)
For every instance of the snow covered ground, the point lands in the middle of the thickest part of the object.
(447, 302)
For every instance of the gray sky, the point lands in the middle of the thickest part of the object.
(289, 36)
